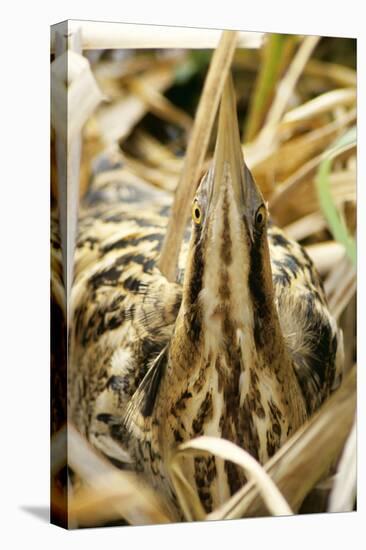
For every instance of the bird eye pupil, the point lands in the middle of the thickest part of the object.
(196, 213)
(260, 217)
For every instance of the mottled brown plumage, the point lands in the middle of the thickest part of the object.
(242, 346)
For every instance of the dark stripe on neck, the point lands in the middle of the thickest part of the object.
(226, 242)
(195, 287)
(257, 287)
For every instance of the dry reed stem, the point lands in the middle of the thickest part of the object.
(148, 148)
(68, 155)
(105, 36)
(196, 152)
(325, 255)
(276, 53)
(343, 295)
(339, 74)
(160, 105)
(324, 103)
(155, 175)
(342, 497)
(305, 226)
(285, 89)
(304, 174)
(124, 491)
(226, 450)
(117, 121)
(74, 146)
(109, 70)
(292, 154)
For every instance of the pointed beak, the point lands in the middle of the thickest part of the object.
(228, 162)
(229, 167)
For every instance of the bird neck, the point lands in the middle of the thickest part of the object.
(229, 341)
(232, 305)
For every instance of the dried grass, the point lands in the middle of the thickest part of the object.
(293, 126)
(108, 492)
(226, 450)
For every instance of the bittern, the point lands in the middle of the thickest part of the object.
(242, 346)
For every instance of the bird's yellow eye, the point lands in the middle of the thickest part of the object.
(260, 217)
(196, 213)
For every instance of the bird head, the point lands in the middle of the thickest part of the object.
(228, 283)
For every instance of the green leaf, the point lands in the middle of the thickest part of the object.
(276, 54)
(330, 211)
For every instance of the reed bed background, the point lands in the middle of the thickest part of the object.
(145, 114)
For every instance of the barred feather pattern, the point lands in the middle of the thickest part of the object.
(123, 313)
